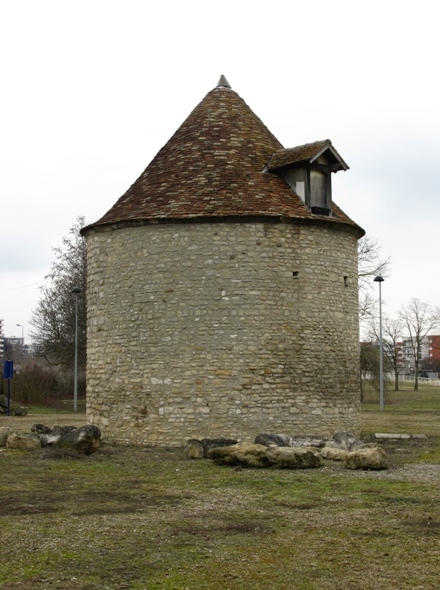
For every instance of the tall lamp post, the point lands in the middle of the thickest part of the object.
(380, 280)
(76, 291)
(22, 345)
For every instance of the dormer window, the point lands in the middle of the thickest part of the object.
(318, 189)
(307, 170)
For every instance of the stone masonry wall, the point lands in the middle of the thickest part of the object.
(226, 329)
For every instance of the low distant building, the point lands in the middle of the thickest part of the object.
(14, 342)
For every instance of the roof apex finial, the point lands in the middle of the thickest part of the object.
(223, 83)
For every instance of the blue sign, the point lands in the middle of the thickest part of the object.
(8, 369)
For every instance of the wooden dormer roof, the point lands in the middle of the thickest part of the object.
(307, 154)
(214, 168)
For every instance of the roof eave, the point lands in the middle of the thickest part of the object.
(342, 164)
(336, 222)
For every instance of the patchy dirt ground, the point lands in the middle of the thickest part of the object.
(135, 518)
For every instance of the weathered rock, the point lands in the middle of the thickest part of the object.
(5, 431)
(41, 429)
(308, 441)
(198, 449)
(63, 429)
(18, 440)
(20, 411)
(3, 404)
(49, 439)
(294, 458)
(268, 439)
(242, 454)
(344, 440)
(334, 453)
(86, 439)
(367, 458)
(194, 449)
(257, 455)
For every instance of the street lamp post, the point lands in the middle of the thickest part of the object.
(22, 345)
(76, 291)
(380, 280)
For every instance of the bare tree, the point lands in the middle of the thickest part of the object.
(54, 317)
(418, 318)
(369, 366)
(391, 337)
(370, 265)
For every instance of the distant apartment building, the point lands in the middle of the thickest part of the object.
(429, 357)
(2, 341)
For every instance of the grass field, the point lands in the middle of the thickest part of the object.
(133, 518)
(405, 411)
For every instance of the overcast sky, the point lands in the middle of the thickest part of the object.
(92, 89)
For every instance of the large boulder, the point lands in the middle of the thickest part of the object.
(367, 458)
(198, 449)
(194, 449)
(86, 439)
(294, 458)
(50, 436)
(242, 454)
(334, 453)
(256, 455)
(5, 432)
(18, 440)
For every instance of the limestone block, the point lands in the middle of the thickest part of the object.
(23, 441)
(367, 458)
(334, 453)
(5, 432)
(294, 457)
(241, 454)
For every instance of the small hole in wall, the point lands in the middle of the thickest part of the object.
(295, 274)
(346, 281)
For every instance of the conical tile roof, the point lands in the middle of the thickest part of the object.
(214, 166)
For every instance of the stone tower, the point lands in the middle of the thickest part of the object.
(222, 289)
